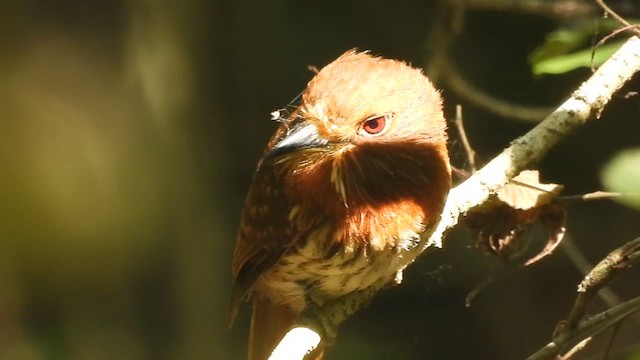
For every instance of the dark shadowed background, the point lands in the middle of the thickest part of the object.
(129, 131)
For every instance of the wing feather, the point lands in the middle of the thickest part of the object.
(265, 231)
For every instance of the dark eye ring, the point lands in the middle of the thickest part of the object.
(375, 125)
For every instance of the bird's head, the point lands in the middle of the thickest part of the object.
(368, 131)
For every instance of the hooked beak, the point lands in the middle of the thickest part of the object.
(303, 136)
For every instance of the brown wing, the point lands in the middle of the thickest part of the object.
(265, 231)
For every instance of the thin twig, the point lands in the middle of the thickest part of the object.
(627, 26)
(614, 331)
(489, 103)
(601, 275)
(587, 328)
(574, 327)
(491, 279)
(577, 257)
(471, 154)
(596, 195)
(447, 26)
(615, 15)
(607, 38)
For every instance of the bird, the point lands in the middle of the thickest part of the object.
(353, 175)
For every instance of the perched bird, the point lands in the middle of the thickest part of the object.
(350, 179)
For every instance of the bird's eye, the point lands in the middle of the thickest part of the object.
(375, 125)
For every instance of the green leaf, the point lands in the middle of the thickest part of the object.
(564, 63)
(561, 41)
(622, 174)
(569, 48)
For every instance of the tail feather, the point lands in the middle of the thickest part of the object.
(269, 323)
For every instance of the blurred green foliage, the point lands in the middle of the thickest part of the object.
(569, 48)
(560, 64)
(622, 174)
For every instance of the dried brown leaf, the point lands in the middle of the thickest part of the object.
(500, 225)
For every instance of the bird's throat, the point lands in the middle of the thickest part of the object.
(373, 197)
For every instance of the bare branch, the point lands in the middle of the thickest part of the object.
(574, 328)
(601, 275)
(577, 257)
(579, 260)
(587, 328)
